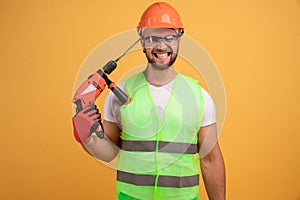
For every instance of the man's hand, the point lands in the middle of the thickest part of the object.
(85, 123)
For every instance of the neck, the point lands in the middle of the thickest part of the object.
(159, 77)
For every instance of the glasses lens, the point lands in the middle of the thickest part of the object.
(154, 40)
(171, 38)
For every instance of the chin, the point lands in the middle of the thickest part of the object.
(160, 67)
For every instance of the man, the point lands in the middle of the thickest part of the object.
(160, 131)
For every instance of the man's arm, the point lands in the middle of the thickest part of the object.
(105, 149)
(212, 163)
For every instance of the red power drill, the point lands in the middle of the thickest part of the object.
(90, 89)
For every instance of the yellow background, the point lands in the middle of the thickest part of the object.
(255, 44)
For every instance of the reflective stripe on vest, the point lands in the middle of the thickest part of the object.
(159, 157)
(168, 147)
(163, 181)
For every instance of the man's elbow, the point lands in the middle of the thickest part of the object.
(108, 158)
(214, 156)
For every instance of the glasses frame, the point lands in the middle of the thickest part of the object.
(154, 40)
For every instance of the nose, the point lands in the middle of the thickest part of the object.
(162, 44)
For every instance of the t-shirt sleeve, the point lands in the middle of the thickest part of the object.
(209, 115)
(112, 107)
(108, 112)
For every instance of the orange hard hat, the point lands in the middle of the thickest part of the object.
(160, 15)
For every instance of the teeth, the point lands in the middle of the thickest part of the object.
(164, 55)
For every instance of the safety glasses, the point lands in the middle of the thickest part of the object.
(155, 40)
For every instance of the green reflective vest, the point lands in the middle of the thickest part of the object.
(159, 159)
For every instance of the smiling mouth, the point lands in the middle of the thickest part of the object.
(162, 55)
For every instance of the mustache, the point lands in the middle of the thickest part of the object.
(162, 50)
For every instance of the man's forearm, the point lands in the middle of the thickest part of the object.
(102, 149)
(213, 171)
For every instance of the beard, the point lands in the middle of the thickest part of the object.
(172, 56)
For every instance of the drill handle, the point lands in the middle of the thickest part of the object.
(120, 94)
(78, 105)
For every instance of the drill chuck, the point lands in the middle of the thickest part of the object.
(109, 67)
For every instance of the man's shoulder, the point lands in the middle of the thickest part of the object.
(192, 82)
(133, 82)
(135, 76)
(189, 79)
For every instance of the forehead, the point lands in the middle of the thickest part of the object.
(158, 31)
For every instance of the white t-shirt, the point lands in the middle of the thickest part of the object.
(160, 95)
